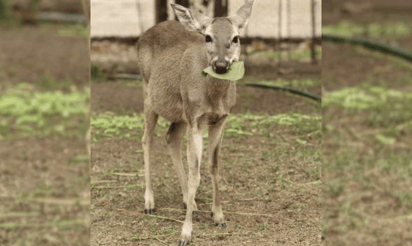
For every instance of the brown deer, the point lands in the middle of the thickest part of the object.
(171, 57)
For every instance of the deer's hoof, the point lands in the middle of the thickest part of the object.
(150, 211)
(221, 225)
(183, 243)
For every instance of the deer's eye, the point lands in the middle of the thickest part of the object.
(208, 39)
(235, 39)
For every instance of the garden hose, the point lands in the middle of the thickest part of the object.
(370, 44)
(287, 89)
(62, 17)
(272, 87)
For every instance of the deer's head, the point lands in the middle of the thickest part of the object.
(221, 34)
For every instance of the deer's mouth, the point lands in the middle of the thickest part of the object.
(221, 70)
(221, 67)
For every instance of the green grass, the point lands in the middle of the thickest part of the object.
(385, 107)
(108, 125)
(48, 83)
(367, 168)
(96, 73)
(5, 11)
(371, 97)
(26, 112)
(296, 55)
(296, 83)
(390, 31)
(76, 30)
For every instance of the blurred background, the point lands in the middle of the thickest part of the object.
(367, 122)
(44, 94)
(270, 158)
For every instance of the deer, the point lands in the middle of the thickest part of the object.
(171, 57)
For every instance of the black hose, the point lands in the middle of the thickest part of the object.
(127, 76)
(273, 87)
(287, 89)
(369, 44)
(62, 17)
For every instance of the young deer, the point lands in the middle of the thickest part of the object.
(171, 59)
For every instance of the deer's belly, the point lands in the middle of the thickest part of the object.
(212, 118)
(171, 112)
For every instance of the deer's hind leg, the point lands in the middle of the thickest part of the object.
(215, 140)
(150, 121)
(174, 138)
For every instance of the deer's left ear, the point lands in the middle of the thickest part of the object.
(242, 15)
(192, 19)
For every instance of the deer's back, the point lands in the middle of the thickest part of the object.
(162, 47)
(170, 61)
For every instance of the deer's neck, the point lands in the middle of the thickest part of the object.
(218, 87)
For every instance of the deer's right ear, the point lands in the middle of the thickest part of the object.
(242, 15)
(194, 20)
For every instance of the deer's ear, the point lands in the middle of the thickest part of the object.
(192, 19)
(242, 15)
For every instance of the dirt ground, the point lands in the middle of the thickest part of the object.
(365, 203)
(269, 173)
(44, 181)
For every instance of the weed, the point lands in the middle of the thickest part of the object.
(297, 83)
(25, 112)
(296, 55)
(5, 11)
(391, 31)
(77, 30)
(96, 73)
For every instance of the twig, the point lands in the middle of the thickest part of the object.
(114, 187)
(18, 214)
(104, 181)
(158, 239)
(60, 201)
(308, 183)
(42, 225)
(134, 238)
(164, 218)
(227, 212)
(128, 174)
(216, 234)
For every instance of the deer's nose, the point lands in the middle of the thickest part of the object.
(221, 66)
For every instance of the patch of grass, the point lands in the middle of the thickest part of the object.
(76, 30)
(108, 125)
(386, 107)
(26, 112)
(96, 73)
(297, 83)
(5, 11)
(48, 83)
(364, 98)
(390, 31)
(296, 55)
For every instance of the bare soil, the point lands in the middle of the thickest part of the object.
(29, 53)
(44, 183)
(269, 184)
(362, 205)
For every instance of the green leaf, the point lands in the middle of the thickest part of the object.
(235, 72)
(300, 141)
(385, 140)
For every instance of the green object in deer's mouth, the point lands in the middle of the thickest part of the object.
(235, 72)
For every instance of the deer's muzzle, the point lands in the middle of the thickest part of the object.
(221, 67)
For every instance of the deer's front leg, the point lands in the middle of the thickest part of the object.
(215, 140)
(194, 157)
